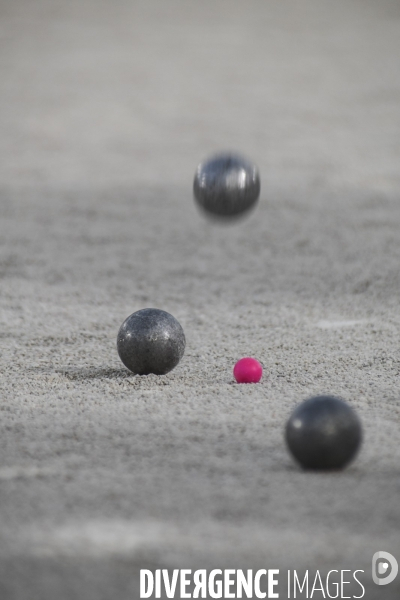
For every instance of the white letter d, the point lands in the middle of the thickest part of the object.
(146, 574)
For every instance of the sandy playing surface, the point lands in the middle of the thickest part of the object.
(105, 110)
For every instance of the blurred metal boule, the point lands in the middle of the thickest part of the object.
(226, 185)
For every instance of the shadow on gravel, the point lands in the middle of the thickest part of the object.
(95, 373)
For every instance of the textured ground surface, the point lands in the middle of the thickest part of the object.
(105, 110)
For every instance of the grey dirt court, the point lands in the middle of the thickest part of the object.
(106, 108)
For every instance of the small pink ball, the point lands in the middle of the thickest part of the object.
(247, 370)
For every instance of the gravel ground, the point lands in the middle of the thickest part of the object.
(105, 111)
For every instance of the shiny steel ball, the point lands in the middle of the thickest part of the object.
(150, 341)
(226, 185)
(323, 433)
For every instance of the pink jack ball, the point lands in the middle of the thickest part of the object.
(247, 370)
